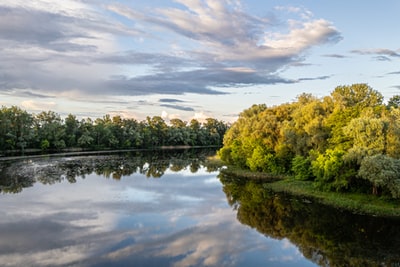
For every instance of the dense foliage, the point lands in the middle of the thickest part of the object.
(348, 141)
(20, 130)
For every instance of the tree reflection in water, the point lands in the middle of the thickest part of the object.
(17, 175)
(324, 235)
(327, 236)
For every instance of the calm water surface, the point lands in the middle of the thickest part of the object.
(161, 209)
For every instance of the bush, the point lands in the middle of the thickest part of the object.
(301, 168)
(383, 172)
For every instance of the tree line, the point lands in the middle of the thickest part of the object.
(347, 141)
(47, 131)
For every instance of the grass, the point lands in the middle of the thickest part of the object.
(355, 202)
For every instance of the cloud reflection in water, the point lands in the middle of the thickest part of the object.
(181, 219)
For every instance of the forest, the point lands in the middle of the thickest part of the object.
(47, 131)
(348, 141)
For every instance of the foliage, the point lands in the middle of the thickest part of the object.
(383, 172)
(324, 140)
(47, 131)
(301, 168)
(331, 171)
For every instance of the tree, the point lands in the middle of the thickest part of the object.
(178, 133)
(383, 172)
(15, 128)
(104, 133)
(331, 171)
(368, 134)
(393, 133)
(71, 130)
(301, 168)
(132, 135)
(86, 130)
(394, 102)
(357, 96)
(49, 127)
(194, 132)
(349, 102)
(158, 130)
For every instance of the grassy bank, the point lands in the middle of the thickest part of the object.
(354, 202)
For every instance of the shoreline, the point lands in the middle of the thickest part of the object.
(78, 152)
(356, 203)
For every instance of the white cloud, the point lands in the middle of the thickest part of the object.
(201, 116)
(164, 114)
(302, 36)
(38, 105)
(193, 46)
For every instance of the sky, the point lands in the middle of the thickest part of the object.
(190, 58)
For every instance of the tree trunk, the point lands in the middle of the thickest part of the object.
(375, 190)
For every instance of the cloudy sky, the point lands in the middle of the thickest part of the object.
(190, 58)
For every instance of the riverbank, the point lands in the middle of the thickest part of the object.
(33, 153)
(355, 202)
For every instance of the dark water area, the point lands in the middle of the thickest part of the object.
(171, 208)
(323, 234)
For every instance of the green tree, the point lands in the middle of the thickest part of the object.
(86, 130)
(331, 171)
(368, 134)
(393, 133)
(356, 96)
(49, 126)
(194, 132)
(71, 130)
(394, 102)
(15, 128)
(104, 134)
(349, 102)
(178, 133)
(301, 168)
(132, 135)
(383, 172)
(158, 130)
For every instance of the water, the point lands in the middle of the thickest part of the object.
(163, 209)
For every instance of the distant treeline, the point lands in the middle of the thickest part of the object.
(47, 131)
(348, 141)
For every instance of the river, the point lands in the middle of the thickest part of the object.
(170, 208)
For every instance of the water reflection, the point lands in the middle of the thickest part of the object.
(49, 170)
(324, 235)
(66, 213)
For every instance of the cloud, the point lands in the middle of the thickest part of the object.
(26, 93)
(232, 38)
(160, 62)
(314, 78)
(335, 56)
(394, 73)
(204, 47)
(380, 54)
(38, 105)
(200, 81)
(172, 103)
(183, 108)
(170, 100)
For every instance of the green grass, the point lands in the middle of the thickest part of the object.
(355, 202)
